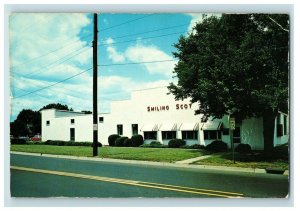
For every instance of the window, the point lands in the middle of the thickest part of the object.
(101, 119)
(150, 135)
(135, 129)
(212, 134)
(120, 130)
(72, 134)
(226, 131)
(168, 134)
(47, 123)
(189, 135)
(72, 121)
(236, 135)
(279, 130)
(278, 119)
(285, 125)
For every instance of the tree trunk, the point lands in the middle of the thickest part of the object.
(268, 130)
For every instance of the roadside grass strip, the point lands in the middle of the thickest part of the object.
(199, 191)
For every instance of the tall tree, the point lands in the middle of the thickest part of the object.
(28, 122)
(237, 65)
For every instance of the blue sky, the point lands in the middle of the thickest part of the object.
(46, 48)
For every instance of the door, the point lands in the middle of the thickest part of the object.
(72, 134)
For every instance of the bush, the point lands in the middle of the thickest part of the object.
(68, 143)
(243, 148)
(18, 141)
(127, 143)
(194, 146)
(120, 141)
(217, 146)
(176, 143)
(137, 140)
(112, 139)
(92, 145)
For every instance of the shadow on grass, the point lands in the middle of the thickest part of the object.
(279, 154)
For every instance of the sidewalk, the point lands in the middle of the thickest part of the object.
(178, 164)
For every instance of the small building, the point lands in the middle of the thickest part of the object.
(157, 116)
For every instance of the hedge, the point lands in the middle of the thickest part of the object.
(243, 148)
(176, 143)
(18, 141)
(70, 143)
(120, 141)
(217, 146)
(112, 138)
(137, 140)
(127, 142)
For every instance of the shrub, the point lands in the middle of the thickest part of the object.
(127, 143)
(217, 146)
(120, 141)
(92, 145)
(176, 143)
(137, 140)
(243, 148)
(194, 146)
(18, 141)
(112, 139)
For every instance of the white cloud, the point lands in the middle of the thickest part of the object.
(142, 53)
(114, 55)
(112, 52)
(46, 48)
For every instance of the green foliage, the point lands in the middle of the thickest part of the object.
(217, 146)
(112, 138)
(194, 146)
(127, 143)
(243, 148)
(237, 64)
(57, 106)
(28, 122)
(119, 142)
(137, 140)
(176, 143)
(18, 141)
(69, 143)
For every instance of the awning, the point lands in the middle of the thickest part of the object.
(189, 126)
(168, 127)
(150, 127)
(211, 125)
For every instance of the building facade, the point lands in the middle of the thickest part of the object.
(157, 116)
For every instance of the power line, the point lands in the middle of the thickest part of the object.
(129, 21)
(53, 64)
(54, 83)
(164, 35)
(50, 52)
(145, 32)
(132, 63)
(73, 76)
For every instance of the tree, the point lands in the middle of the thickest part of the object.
(57, 106)
(28, 123)
(237, 65)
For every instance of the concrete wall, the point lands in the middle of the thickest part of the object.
(152, 106)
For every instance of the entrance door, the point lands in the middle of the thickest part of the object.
(72, 134)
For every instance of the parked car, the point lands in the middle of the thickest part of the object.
(36, 138)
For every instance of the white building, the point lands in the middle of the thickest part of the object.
(157, 117)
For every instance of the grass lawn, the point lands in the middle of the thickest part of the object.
(257, 159)
(128, 153)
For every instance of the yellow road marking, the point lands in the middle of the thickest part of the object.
(136, 183)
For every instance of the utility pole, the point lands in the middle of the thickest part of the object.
(95, 88)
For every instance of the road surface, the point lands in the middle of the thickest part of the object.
(41, 176)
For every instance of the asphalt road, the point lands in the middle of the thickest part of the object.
(40, 176)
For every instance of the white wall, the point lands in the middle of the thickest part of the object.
(138, 110)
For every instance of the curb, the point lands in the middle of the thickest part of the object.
(152, 163)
